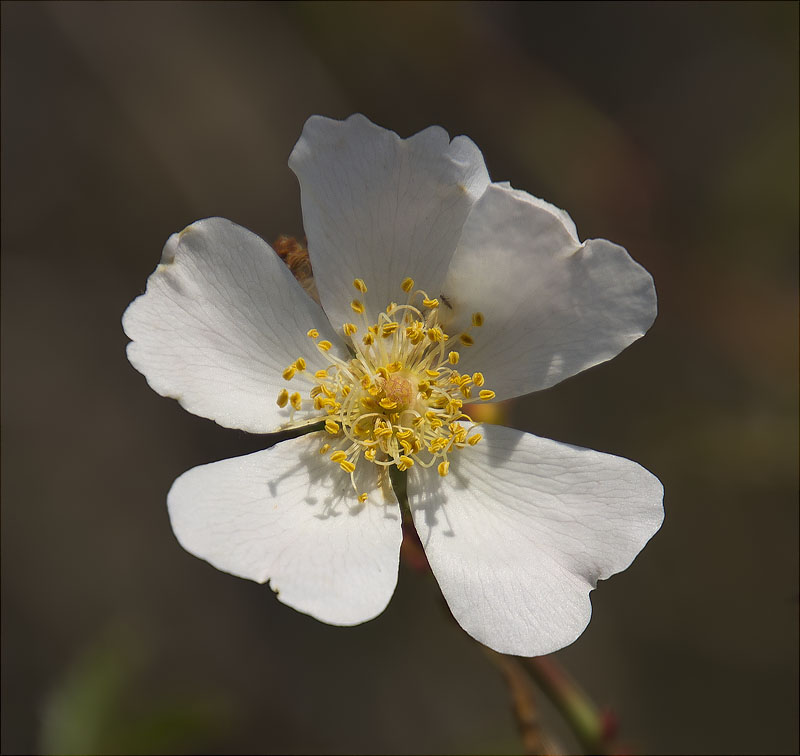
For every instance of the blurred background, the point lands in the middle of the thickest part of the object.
(671, 129)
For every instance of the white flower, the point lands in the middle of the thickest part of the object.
(438, 287)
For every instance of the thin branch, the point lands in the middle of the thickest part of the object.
(523, 701)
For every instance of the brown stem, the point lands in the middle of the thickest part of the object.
(523, 701)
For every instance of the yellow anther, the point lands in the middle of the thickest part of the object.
(332, 427)
(437, 444)
(324, 448)
(436, 334)
(357, 306)
(394, 367)
(387, 403)
(423, 387)
(418, 421)
(432, 373)
(348, 467)
(404, 434)
(327, 390)
(349, 328)
(407, 285)
(362, 498)
(296, 400)
(345, 390)
(477, 379)
(382, 431)
(370, 453)
(467, 391)
(432, 303)
(300, 364)
(443, 468)
(321, 375)
(360, 285)
(383, 373)
(477, 319)
(404, 463)
(312, 333)
(388, 329)
(472, 440)
(486, 395)
(466, 339)
(368, 339)
(283, 398)
(453, 358)
(316, 391)
(338, 456)
(324, 345)
(391, 307)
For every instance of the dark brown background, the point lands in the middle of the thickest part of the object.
(669, 128)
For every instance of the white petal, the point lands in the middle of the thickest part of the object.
(381, 208)
(552, 306)
(522, 528)
(221, 319)
(289, 515)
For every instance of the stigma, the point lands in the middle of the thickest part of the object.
(398, 400)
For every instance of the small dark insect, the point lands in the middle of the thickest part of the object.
(446, 301)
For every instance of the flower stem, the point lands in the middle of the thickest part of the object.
(592, 729)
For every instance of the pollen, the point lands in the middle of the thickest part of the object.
(397, 399)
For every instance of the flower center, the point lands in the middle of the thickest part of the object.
(398, 399)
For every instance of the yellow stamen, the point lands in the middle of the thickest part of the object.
(348, 467)
(289, 373)
(324, 448)
(486, 395)
(362, 498)
(472, 440)
(477, 319)
(332, 427)
(338, 456)
(407, 285)
(432, 303)
(360, 285)
(296, 400)
(324, 345)
(404, 463)
(283, 398)
(300, 364)
(357, 306)
(466, 339)
(477, 379)
(349, 329)
(453, 358)
(312, 333)
(443, 468)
